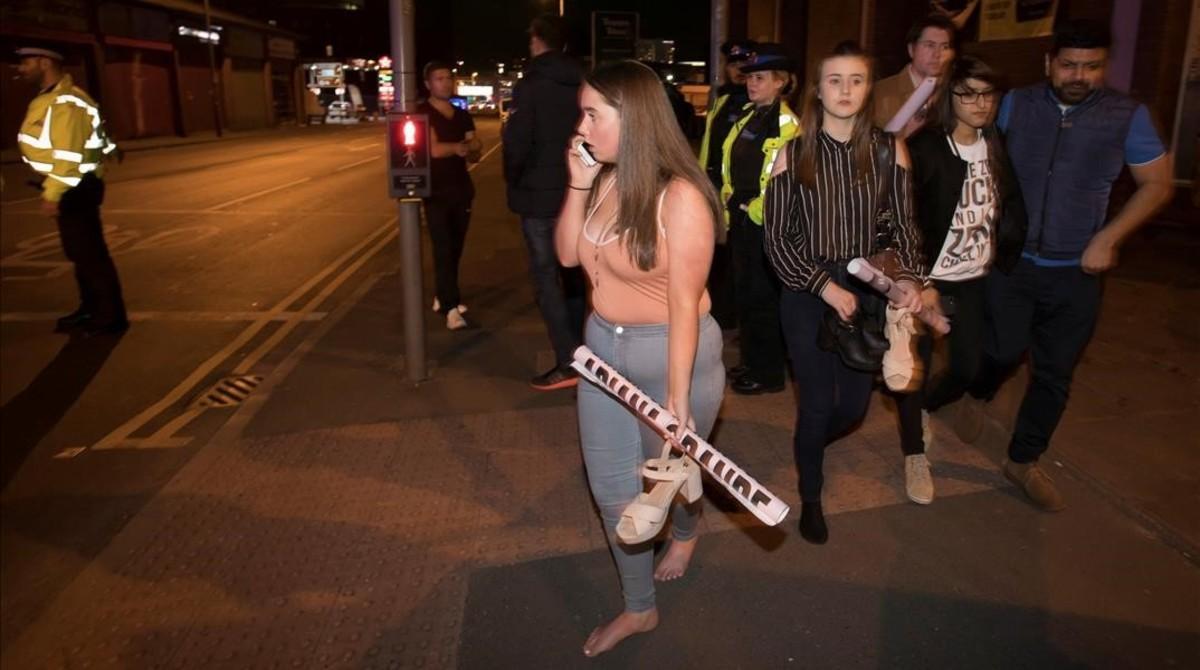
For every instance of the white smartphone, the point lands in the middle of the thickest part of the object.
(585, 155)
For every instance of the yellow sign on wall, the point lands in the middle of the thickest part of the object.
(1016, 19)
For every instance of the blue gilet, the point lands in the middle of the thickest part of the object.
(1066, 163)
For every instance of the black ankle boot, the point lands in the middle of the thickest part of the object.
(812, 523)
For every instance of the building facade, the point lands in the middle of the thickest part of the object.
(155, 66)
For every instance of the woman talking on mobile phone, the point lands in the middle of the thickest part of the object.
(642, 222)
(824, 204)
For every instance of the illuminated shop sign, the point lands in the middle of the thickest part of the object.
(207, 36)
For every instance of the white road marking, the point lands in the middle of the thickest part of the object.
(259, 193)
(363, 147)
(277, 337)
(41, 257)
(357, 163)
(120, 436)
(165, 437)
(36, 317)
(484, 157)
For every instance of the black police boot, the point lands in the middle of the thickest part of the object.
(72, 321)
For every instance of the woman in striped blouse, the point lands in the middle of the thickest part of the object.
(821, 208)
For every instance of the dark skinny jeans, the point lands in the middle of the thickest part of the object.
(559, 291)
(831, 397)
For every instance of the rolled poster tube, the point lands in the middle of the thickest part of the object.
(915, 101)
(871, 276)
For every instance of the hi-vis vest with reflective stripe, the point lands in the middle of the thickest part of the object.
(789, 127)
(63, 138)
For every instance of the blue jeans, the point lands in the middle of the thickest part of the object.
(616, 443)
(559, 291)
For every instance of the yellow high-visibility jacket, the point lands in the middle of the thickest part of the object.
(707, 140)
(789, 127)
(63, 138)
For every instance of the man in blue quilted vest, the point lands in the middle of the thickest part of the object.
(1069, 139)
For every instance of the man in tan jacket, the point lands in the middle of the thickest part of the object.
(931, 45)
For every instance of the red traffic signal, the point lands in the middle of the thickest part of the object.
(408, 155)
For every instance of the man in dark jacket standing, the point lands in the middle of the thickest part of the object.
(544, 111)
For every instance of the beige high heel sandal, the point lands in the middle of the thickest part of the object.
(644, 517)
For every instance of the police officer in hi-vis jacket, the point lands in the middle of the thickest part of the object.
(63, 138)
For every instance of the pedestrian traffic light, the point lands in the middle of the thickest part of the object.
(408, 155)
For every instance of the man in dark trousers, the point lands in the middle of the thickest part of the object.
(1069, 139)
(63, 138)
(544, 111)
(448, 209)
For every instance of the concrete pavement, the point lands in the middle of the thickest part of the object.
(344, 519)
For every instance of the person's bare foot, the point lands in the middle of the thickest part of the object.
(610, 634)
(675, 562)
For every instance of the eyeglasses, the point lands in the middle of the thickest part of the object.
(971, 96)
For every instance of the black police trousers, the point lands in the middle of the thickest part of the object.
(82, 236)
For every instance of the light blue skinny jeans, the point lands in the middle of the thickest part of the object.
(616, 443)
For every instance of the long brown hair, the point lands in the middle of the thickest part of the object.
(652, 152)
(813, 116)
(970, 67)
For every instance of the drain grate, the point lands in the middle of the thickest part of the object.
(228, 392)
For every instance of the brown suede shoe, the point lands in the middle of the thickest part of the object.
(1036, 484)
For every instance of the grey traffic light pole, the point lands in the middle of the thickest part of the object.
(717, 21)
(404, 56)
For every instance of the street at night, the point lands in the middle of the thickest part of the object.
(250, 476)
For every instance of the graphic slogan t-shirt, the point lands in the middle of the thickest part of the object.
(968, 247)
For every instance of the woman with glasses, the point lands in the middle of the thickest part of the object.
(823, 205)
(972, 218)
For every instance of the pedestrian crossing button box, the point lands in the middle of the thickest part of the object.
(408, 155)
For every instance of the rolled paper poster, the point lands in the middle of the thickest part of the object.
(915, 101)
(871, 276)
(753, 496)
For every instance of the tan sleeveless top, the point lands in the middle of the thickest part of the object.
(623, 293)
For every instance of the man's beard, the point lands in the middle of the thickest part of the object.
(1072, 94)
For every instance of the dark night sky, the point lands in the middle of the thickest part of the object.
(477, 31)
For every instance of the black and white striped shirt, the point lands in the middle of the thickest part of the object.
(807, 229)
